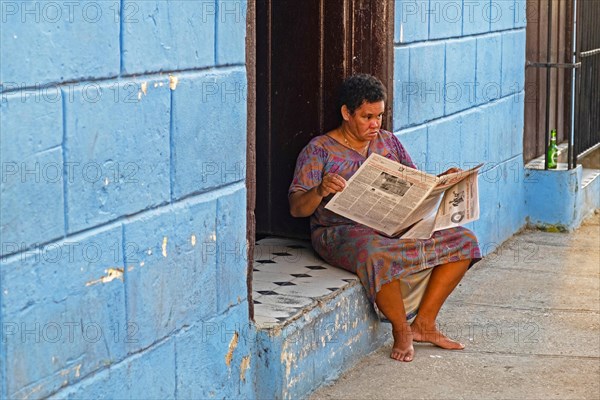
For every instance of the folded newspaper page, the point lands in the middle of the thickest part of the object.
(401, 201)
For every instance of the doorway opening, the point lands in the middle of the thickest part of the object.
(302, 52)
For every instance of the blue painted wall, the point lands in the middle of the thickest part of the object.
(123, 129)
(123, 238)
(458, 99)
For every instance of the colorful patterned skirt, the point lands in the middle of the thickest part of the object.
(378, 259)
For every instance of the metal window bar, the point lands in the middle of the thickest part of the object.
(587, 78)
(586, 98)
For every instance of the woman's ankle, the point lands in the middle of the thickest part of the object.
(423, 323)
(401, 327)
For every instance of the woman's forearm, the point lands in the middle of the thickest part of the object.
(303, 204)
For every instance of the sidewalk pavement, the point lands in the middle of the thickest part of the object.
(529, 315)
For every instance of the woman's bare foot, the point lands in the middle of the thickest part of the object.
(403, 349)
(430, 334)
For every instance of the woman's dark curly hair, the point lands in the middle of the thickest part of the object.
(361, 88)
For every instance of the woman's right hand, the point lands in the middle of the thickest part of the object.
(331, 183)
(303, 204)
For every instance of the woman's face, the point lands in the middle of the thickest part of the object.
(366, 120)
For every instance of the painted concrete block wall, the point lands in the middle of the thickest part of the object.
(123, 266)
(459, 96)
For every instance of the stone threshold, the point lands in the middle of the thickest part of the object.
(313, 320)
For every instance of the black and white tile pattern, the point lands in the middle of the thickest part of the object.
(288, 277)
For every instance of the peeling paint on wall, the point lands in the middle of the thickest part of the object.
(111, 275)
(193, 240)
(173, 81)
(232, 345)
(68, 371)
(164, 246)
(244, 367)
(287, 358)
(34, 390)
(353, 339)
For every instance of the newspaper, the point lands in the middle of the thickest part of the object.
(404, 202)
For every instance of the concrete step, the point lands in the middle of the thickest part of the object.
(313, 320)
(588, 176)
(560, 199)
(589, 196)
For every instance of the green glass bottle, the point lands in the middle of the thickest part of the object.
(552, 153)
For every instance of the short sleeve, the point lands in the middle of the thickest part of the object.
(401, 153)
(309, 168)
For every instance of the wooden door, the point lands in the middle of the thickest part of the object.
(304, 49)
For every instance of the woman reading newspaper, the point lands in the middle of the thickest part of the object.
(403, 277)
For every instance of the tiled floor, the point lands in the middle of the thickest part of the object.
(288, 277)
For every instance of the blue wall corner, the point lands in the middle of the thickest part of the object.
(551, 197)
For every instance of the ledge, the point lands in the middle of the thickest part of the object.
(314, 321)
(560, 199)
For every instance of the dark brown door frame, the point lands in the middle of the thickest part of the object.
(250, 145)
(372, 44)
(367, 47)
